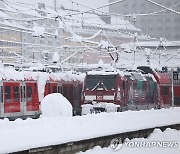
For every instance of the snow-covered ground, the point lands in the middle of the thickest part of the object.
(24, 134)
(168, 136)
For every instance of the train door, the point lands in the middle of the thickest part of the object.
(60, 87)
(165, 95)
(67, 90)
(77, 98)
(75, 101)
(1, 99)
(11, 97)
(32, 100)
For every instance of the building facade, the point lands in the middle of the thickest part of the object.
(158, 22)
(18, 34)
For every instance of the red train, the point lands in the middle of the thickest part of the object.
(99, 91)
(21, 97)
(126, 90)
(71, 89)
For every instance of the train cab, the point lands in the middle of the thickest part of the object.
(103, 90)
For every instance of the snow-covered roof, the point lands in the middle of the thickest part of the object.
(151, 44)
(27, 12)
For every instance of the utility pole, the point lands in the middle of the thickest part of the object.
(172, 86)
(55, 5)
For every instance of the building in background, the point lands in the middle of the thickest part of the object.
(159, 22)
(35, 34)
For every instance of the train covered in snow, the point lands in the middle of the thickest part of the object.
(22, 92)
(144, 88)
(95, 91)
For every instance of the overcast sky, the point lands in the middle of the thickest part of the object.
(67, 3)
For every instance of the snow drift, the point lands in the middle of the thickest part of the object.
(56, 105)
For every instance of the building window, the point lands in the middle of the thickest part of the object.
(125, 5)
(177, 36)
(142, 5)
(168, 28)
(49, 43)
(168, 20)
(168, 4)
(134, 5)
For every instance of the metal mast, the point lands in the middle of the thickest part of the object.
(55, 6)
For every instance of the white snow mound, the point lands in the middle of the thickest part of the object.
(56, 105)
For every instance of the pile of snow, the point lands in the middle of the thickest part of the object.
(56, 105)
(168, 136)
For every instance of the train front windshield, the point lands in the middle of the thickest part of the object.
(107, 81)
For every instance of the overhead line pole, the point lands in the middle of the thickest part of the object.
(55, 5)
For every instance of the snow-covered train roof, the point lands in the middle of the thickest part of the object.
(131, 75)
(9, 73)
(102, 72)
(12, 74)
(67, 76)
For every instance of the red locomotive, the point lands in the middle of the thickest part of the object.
(125, 90)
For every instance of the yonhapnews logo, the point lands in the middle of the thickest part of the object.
(116, 144)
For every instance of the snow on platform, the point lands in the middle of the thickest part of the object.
(169, 136)
(56, 105)
(25, 134)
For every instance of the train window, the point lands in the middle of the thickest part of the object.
(24, 94)
(65, 92)
(1, 94)
(123, 85)
(80, 94)
(164, 91)
(101, 81)
(71, 93)
(7, 93)
(54, 89)
(29, 94)
(16, 93)
(35, 88)
(48, 88)
(21, 93)
(75, 93)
